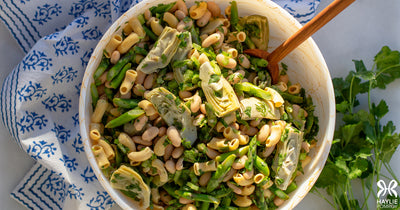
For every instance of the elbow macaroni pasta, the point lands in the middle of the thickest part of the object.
(127, 84)
(159, 165)
(141, 156)
(99, 110)
(170, 19)
(101, 157)
(199, 168)
(128, 42)
(125, 140)
(197, 11)
(95, 131)
(115, 41)
(276, 132)
(108, 150)
(160, 147)
(136, 27)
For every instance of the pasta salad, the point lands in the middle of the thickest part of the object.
(187, 116)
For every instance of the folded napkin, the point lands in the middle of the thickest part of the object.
(39, 99)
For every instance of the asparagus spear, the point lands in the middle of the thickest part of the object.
(94, 94)
(126, 103)
(262, 166)
(197, 196)
(116, 82)
(238, 152)
(222, 169)
(251, 154)
(124, 118)
(253, 90)
(105, 62)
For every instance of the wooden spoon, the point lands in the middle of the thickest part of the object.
(299, 37)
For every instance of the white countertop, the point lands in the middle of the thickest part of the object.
(358, 33)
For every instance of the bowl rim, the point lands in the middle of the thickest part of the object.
(94, 61)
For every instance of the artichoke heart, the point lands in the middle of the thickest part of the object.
(256, 27)
(219, 93)
(254, 108)
(287, 156)
(183, 50)
(131, 184)
(162, 52)
(173, 112)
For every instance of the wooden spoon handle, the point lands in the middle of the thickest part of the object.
(308, 29)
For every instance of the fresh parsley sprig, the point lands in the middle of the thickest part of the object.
(361, 145)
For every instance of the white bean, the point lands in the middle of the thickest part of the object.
(185, 94)
(180, 14)
(179, 164)
(195, 105)
(170, 166)
(203, 109)
(203, 180)
(170, 19)
(185, 200)
(213, 8)
(147, 14)
(177, 152)
(226, 62)
(306, 146)
(140, 77)
(169, 76)
(115, 57)
(174, 136)
(198, 119)
(162, 131)
(149, 81)
(181, 5)
(278, 201)
(244, 61)
(168, 151)
(255, 123)
(150, 134)
(140, 122)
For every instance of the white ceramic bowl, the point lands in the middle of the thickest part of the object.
(306, 66)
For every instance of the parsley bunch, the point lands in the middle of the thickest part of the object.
(361, 145)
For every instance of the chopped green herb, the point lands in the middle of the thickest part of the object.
(247, 111)
(214, 78)
(164, 58)
(262, 108)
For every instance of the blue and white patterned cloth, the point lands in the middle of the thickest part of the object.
(39, 99)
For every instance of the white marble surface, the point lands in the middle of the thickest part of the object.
(358, 33)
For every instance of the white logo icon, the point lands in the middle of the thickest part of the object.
(389, 189)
